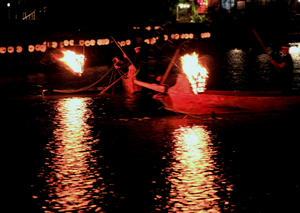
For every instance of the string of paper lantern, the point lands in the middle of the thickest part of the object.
(99, 42)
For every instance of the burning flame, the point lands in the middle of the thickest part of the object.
(74, 61)
(195, 72)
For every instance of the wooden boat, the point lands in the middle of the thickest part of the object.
(181, 99)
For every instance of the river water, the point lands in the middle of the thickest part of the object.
(118, 153)
(124, 153)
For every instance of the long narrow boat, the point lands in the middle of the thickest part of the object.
(181, 99)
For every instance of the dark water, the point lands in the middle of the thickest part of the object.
(118, 153)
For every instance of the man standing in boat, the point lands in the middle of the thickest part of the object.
(284, 62)
(140, 59)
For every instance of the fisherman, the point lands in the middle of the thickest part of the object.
(140, 59)
(284, 62)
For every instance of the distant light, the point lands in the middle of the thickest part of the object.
(184, 6)
(19, 49)
(8, 4)
(10, 49)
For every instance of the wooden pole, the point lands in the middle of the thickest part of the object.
(103, 91)
(123, 51)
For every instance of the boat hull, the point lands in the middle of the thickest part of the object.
(222, 104)
(181, 99)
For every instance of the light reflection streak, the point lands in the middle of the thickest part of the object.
(295, 53)
(194, 178)
(72, 175)
(236, 62)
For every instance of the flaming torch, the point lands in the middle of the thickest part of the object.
(195, 72)
(74, 61)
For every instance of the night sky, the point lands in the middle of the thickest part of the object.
(114, 12)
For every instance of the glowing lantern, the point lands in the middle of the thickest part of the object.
(37, 47)
(184, 36)
(205, 35)
(71, 42)
(54, 44)
(148, 28)
(195, 73)
(166, 37)
(175, 36)
(128, 42)
(43, 48)
(99, 42)
(87, 43)
(106, 41)
(92, 42)
(184, 5)
(81, 42)
(66, 43)
(2, 50)
(74, 61)
(19, 49)
(10, 49)
(31, 48)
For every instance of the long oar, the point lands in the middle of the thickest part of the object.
(265, 49)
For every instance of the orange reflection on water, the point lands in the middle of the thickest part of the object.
(193, 181)
(72, 167)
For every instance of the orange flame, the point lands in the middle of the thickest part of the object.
(74, 61)
(195, 72)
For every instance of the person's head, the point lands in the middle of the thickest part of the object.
(139, 40)
(285, 49)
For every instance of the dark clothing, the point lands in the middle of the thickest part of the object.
(285, 77)
(141, 61)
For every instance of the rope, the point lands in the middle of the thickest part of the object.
(81, 89)
(112, 83)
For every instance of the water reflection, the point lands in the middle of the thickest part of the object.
(295, 53)
(235, 61)
(71, 172)
(195, 179)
